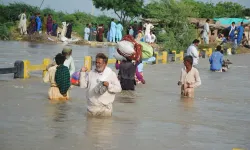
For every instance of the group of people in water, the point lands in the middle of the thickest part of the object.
(102, 83)
(216, 60)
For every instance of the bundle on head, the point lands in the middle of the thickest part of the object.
(129, 48)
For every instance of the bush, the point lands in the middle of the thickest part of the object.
(4, 32)
(70, 17)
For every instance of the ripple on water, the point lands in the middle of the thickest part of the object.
(156, 117)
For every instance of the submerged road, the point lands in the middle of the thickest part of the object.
(218, 118)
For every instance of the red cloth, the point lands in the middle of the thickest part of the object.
(100, 31)
(137, 55)
(74, 82)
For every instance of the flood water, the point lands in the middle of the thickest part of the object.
(217, 119)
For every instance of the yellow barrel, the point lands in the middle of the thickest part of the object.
(181, 56)
(26, 65)
(164, 57)
(175, 54)
(156, 57)
(88, 62)
(46, 62)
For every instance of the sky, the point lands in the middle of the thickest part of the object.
(71, 6)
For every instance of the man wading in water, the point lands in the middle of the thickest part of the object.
(102, 85)
(189, 79)
(69, 62)
(59, 79)
(193, 51)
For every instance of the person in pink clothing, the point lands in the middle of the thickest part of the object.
(189, 79)
(49, 24)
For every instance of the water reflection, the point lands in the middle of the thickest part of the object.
(34, 45)
(127, 97)
(99, 131)
(59, 116)
(187, 102)
(159, 113)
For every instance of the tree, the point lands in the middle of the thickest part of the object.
(179, 33)
(211, 10)
(229, 9)
(201, 9)
(13, 10)
(247, 12)
(70, 18)
(124, 9)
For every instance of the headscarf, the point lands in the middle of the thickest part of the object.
(67, 50)
(62, 78)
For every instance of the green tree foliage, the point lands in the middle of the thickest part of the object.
(5, 30)
(201, 9)
(70, 18)
(211, 10)
(246, 12)
(124, 9)
(14, 9)
(179, 33)
(229, 9)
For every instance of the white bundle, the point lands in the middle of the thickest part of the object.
(126, 48)
(119, 57)
(64, 39)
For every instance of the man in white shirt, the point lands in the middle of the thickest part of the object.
(22, 23)
(148, 27)
(193, 51)
(206, 31)
(102, 84)
(86, 32)
(69, 62)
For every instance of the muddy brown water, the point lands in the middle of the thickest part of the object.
(218, 118)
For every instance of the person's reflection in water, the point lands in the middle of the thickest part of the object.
(187, 102)
(99, 131)
(60, 117)
(126, 97)
(33, 45)
(186, 113)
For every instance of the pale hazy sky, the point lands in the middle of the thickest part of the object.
(86, 5)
